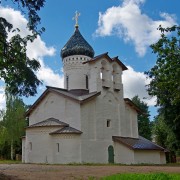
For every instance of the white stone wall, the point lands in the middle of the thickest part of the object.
(123, 154)
(149, 157)
(23, 149)
(59, 107)
(42, 147)
(38, 145)
(96, 136)
(95, 151)
(131, 124)
(69, 148)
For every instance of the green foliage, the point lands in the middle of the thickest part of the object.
(12, 126)
(165, 84)
(17, 70)
(164, 135)
(30, 8)
(144, 124)
(150, 176)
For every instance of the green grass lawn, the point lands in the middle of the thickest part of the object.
(148, 176)
(9, 162)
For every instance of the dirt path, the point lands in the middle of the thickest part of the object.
(60, 172)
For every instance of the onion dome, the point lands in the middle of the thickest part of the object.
(77, 45)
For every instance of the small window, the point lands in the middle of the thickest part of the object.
(100, 75)
(108, 123)
(112, 77)
(30, 146)
(67, 82)
(57, 147)
(87, 82)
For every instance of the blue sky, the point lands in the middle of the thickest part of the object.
(123, 28)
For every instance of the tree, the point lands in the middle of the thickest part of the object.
(165, 84)
(144, 124)
(13, 124)
(164, 136)
(17, 70)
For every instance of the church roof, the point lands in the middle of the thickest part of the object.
(77, 45)
(66, 130)
(79, 96)
(105, 55)
(72, 95)
(49, 122)
(137, 143)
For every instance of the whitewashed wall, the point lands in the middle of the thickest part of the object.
(23, 149)
(59, 107)
(149, 157)
(123, 154)
(69, 148)
(41, 151)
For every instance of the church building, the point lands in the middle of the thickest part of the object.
(89, 120)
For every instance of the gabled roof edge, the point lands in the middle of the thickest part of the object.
(116, 59)
(129, 102)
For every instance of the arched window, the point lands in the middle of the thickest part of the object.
(67, 82)
(87, 82)
(103, 70)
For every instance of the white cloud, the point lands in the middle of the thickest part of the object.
(2, 97)
(38, 49)
(49, 77)
(128, 22)
(135, 84)
(34, 50)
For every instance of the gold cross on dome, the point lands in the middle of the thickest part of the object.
(77, 14)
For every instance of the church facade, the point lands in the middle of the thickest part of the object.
(89, 120)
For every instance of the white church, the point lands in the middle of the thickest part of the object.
(89, 121)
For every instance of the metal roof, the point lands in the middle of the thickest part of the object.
(77, 45)
(49, 122)
(79, 96)
(66, 130)
(111, 60)
(137, 143)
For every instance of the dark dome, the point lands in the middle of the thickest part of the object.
(77, 45)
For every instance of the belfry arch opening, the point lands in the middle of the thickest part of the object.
(103, 70)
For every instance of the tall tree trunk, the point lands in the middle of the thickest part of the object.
(12, 150)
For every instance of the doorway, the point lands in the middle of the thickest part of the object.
(110, 154)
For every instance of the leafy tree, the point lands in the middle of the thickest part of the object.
(165, 84)
(17, 70)
(12, 127)
(144, 124)
(164, 136)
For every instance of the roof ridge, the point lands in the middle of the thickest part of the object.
(59, 123)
